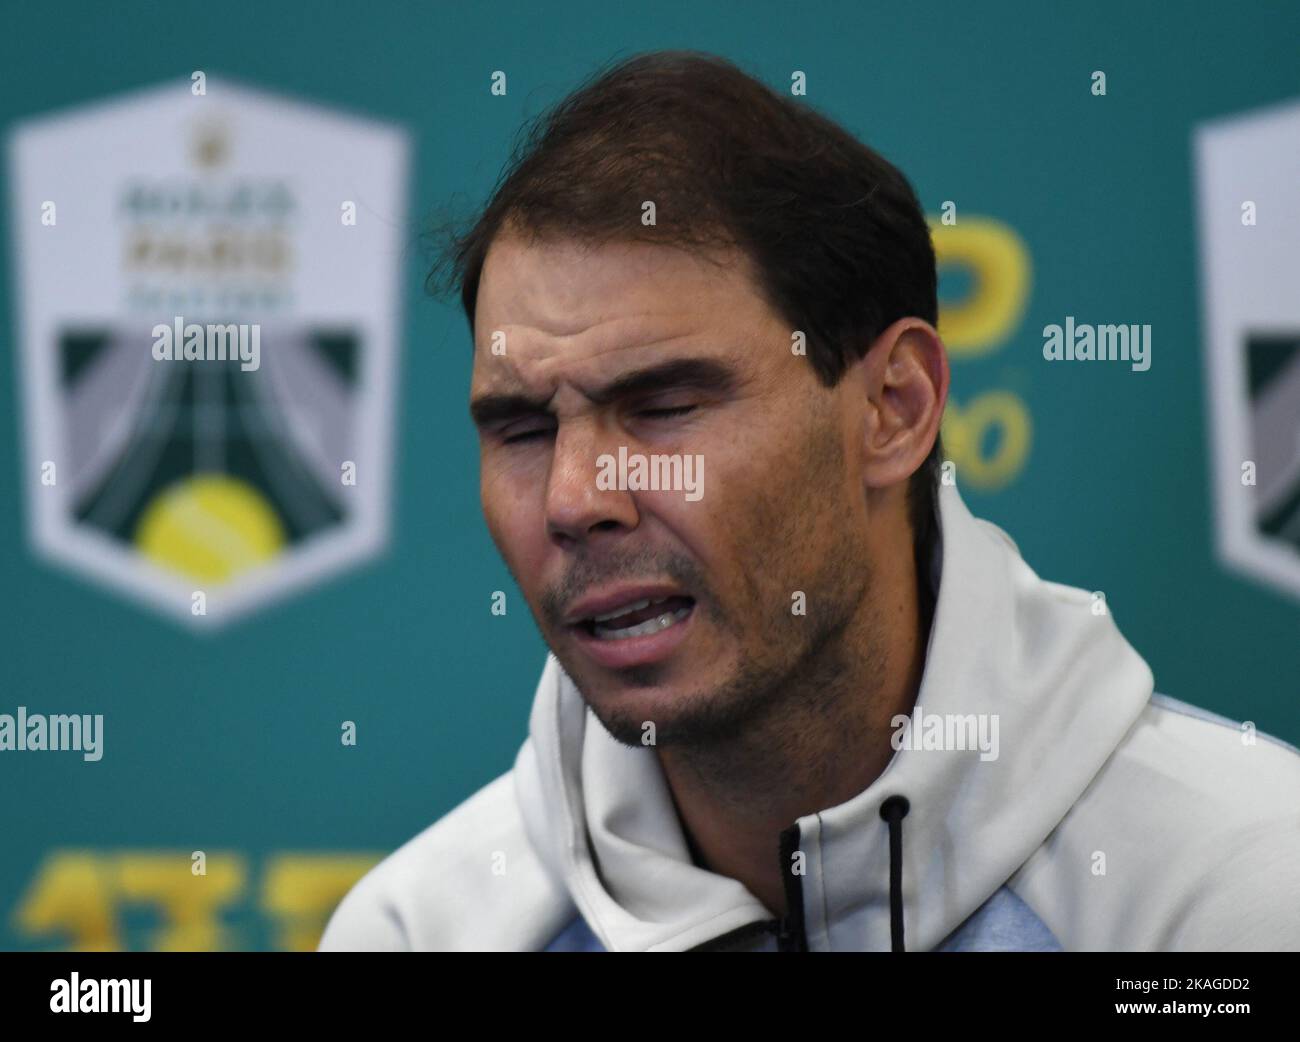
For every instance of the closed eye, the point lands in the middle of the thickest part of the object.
(652, 414)
(528, 435)
(664, 414)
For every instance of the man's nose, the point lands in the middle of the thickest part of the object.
(576, 509)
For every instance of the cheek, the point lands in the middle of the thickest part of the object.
(778, 512)
(715, 531)
(514, 522)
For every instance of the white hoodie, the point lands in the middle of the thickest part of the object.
(1110, 819)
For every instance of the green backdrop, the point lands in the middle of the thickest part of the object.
(229, 743)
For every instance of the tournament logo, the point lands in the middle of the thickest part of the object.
(208, 282)
(1248, 168)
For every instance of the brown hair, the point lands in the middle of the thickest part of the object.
(835, 234)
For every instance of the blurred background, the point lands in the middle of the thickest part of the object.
(184, 550)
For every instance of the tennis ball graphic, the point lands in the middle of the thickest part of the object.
(209, 527)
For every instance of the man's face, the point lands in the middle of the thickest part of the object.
(753, 576)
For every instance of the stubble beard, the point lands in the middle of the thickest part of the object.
(791, 667)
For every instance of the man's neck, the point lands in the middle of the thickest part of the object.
(821, 747)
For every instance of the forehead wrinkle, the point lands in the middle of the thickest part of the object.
(620, 338)
(542, 365)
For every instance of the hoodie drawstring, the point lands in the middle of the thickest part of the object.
(894, 810)
(789, 929)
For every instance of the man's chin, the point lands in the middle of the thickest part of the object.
(636, 705)
(672, 714)
(677, 701)
(637, 718)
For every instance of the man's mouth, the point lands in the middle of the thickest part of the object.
(639, 618)
(632, 625)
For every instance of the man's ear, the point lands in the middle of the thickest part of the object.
(904, 378)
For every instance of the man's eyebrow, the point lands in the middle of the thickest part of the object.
(492, 408)
(703, 374)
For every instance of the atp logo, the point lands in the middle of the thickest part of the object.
(1247, 170)
(251, 457)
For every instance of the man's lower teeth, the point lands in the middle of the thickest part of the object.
(642, 629)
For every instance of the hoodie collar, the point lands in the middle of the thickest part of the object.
(1061, 682)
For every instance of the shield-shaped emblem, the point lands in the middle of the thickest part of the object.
(208, 292)
(1248, 168)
